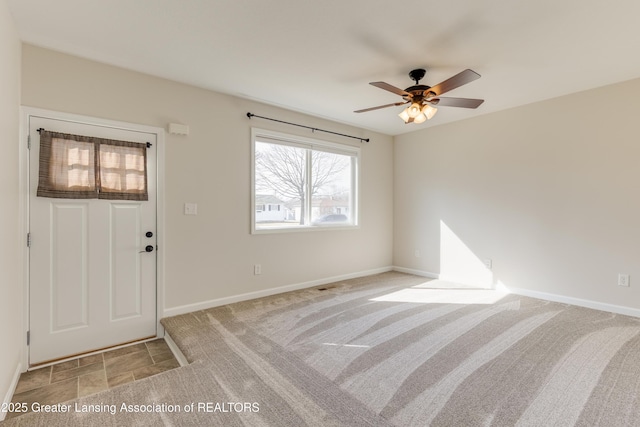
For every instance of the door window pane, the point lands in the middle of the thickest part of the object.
(84, 167)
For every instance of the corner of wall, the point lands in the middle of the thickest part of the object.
(11, 255)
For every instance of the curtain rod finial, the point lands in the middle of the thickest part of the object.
(250, 115)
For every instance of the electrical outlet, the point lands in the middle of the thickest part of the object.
(623, 279)
(257, 269)
(488, 264)
(191, 209)
(416, 253)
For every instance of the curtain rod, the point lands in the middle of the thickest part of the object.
(40, 130)
(309, 127)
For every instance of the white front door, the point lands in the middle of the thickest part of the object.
(92, 283)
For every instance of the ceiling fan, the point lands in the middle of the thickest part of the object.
(423, 99)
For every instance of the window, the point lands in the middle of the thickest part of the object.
(304, 183)
(82, 167)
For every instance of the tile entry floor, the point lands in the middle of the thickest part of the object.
(92, 374)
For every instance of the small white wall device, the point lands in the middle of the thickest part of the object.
(178, 129)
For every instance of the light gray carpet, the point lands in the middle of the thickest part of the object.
(389, 350)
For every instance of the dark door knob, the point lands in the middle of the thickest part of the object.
(148, 234)
(149, 248)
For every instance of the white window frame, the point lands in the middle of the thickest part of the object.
(307, 143)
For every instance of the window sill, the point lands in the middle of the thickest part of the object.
(304, 228)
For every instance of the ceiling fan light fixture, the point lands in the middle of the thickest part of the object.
(420, 118)
(404, 115)
(429, 111)
(414, 110)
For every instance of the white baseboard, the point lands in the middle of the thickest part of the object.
(174, 311)
(12, 389)
(416, 272)
(612, 308)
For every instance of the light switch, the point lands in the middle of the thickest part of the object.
(191, 209)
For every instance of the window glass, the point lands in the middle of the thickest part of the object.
(122, 171)
(302, 184)
(280, 180)
(331, 188)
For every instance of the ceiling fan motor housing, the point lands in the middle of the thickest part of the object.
(418, 92)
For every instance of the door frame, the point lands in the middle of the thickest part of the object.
(25, 114)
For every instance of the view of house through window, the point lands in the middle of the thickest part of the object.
(301, 183)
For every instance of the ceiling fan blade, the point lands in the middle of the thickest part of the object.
(457, 102)
(379, 107)
(390, 88)
(462, 78)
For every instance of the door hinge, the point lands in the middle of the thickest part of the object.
(28, 337)
(28, 240)
(28, 142)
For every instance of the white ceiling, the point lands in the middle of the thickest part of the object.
(317, 57)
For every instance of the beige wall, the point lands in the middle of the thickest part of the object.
(10, 237)
(550, 192)
(211, 255)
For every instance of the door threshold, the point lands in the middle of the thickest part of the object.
(89, 353)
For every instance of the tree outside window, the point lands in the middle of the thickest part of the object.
(312, 184)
